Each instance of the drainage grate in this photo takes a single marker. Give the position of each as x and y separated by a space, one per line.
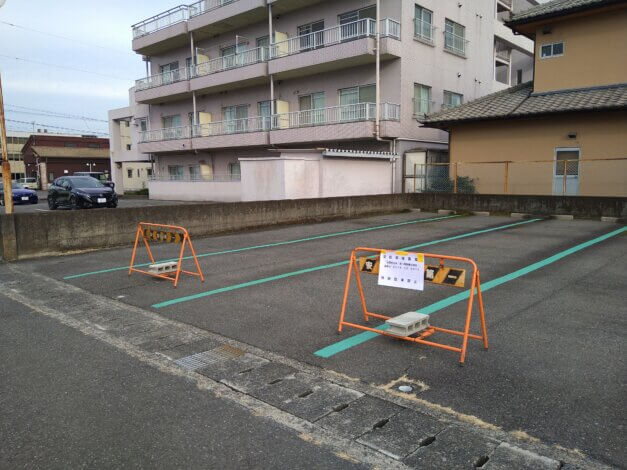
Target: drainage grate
199 360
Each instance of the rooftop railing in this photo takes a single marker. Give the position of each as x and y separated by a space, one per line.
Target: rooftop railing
164 78
335 35
220 64
424 31
455 43
204 6
162 20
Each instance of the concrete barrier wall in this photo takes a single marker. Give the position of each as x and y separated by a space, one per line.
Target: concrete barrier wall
51 233
579 206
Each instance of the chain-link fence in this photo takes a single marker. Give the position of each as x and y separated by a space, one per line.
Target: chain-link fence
562 176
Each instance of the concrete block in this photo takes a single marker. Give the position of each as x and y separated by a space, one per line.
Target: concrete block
481 213
402 434
519 215
247 381
408 323
306 396
8 237
563 217
163 268
609 219
509 457
360 416
452 449
445 212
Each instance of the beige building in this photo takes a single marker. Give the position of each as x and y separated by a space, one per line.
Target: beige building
15 143
563 133
231 81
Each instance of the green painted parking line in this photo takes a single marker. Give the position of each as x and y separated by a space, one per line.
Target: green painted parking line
360 338
269 245
200 295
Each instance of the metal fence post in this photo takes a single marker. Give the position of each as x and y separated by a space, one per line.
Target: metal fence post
506 189
564 192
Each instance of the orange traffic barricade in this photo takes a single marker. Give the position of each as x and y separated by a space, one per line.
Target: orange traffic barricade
171 269
438 274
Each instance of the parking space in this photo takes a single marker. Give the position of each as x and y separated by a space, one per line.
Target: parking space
554 297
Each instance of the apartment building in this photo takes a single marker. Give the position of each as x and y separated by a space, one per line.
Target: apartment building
565 132
231 81
15 142
130 169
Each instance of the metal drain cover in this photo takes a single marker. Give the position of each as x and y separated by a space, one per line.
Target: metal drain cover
228 351
199 360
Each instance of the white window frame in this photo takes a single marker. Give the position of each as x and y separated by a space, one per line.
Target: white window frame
552 44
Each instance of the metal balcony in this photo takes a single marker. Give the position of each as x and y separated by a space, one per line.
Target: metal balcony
455 44
424 31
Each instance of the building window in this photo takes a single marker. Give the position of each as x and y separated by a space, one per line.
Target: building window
312 108
311 35
194 172
93 145
552 50
356 15
70 144
454 37
264 111
452 100
175 172
235 171
422 99
423 24
143 124
129 173
128 146
567 159
236 118
354 102
171 121
149 172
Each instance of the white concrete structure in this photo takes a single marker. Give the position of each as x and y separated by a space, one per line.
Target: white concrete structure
130 169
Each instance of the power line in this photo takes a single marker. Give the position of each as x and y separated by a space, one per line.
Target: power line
84 131
64 67
75 41
44 112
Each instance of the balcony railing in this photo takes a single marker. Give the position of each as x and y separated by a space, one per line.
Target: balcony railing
161 21
335 115
164 78
335 35
455 43
169 133
235 126
204 6
220 64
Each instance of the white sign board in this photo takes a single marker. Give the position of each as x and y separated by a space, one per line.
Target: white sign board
402 269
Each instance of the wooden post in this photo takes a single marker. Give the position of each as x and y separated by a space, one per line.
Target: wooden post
506 188
6 166
455 178
564 193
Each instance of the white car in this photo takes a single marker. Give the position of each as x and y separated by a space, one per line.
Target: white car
28 183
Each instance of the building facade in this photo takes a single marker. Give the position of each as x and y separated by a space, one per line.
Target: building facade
48 156
15 142
131 169
231 80
565 132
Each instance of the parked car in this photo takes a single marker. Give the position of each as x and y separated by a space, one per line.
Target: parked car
100 176
78 192
21 195
30 183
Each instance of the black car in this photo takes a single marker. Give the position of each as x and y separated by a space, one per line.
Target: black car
21 195
79 192
100 176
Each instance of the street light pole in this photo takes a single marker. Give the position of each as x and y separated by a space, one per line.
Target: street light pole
6 166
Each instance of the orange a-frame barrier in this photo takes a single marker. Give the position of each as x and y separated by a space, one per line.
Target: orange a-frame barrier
169 234
420 338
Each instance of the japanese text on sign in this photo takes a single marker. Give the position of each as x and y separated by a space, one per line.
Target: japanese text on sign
402 269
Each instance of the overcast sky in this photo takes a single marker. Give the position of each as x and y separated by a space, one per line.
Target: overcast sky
100 33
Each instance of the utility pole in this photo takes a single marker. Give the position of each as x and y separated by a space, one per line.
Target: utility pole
6 166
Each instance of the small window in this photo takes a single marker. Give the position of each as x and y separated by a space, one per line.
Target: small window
70 144
454 37
175 172
423 24
234 170
149 172
129 173
194 172
93 145
422 99
552 50
128 146
452 100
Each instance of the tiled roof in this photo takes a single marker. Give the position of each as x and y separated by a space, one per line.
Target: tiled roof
520 101
557 8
